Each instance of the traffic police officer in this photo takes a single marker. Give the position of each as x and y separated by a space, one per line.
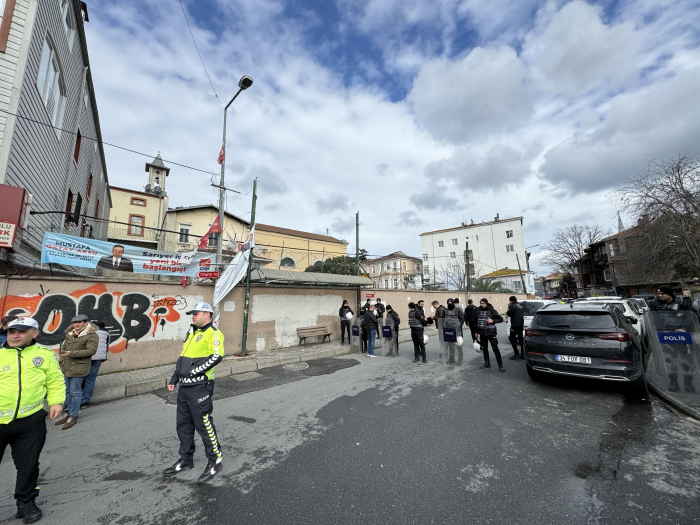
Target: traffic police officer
28 373
194 372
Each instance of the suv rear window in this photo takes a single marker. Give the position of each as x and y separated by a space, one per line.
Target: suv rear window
581 320
530 307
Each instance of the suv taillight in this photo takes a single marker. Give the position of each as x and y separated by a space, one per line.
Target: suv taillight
616 336
534 333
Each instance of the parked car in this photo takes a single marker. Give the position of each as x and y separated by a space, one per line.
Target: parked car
530 307
629 309
586 340
641 303
647 298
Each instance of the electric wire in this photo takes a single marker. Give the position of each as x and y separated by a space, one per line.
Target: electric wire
106 143
184 13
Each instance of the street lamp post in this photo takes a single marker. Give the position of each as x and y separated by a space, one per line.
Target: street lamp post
244 83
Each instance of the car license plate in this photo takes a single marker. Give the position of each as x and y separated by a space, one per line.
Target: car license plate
574 359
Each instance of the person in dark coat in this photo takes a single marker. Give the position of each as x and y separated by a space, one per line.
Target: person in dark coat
517 325
392 318
417 322
344 321
380 308
486 320
470 318
371 326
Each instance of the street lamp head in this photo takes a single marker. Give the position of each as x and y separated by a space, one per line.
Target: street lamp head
245 82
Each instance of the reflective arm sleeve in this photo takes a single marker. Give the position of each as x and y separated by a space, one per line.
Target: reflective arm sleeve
55 385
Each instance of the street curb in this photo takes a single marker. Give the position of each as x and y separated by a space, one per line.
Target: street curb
231 367
679 405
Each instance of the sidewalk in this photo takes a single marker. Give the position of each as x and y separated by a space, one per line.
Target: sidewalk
124 384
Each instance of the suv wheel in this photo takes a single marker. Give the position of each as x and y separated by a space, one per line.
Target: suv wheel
638 387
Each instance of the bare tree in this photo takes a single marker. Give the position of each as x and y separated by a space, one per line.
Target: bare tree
454 275
665 202
568 245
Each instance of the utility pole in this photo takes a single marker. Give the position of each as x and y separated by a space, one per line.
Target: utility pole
466 269
357 254
522 280
244 340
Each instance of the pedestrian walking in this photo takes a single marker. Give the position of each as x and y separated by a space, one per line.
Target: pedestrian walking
393 320
74 357
344 321
417 322
3 327
470 317
371 326
486 320
203 349
95 363
29 373
517 325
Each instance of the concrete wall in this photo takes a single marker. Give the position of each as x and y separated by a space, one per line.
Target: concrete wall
147 320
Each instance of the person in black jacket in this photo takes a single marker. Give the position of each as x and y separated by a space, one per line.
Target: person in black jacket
363 333
371 327
392 318
486 320
517 325
470 318
416 321
344 321
380 308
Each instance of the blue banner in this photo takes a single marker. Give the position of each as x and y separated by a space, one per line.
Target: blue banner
449 335
90 253
675 338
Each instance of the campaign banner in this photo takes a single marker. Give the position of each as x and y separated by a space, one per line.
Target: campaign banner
90 253
675 338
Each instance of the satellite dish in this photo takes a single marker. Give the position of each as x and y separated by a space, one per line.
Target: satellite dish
148 187
157 190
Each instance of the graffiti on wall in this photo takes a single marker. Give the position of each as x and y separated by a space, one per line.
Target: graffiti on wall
128 316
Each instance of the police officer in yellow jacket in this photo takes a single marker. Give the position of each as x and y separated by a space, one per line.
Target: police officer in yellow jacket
28 372
194 372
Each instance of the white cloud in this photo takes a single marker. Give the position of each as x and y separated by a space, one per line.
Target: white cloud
481 94
576 52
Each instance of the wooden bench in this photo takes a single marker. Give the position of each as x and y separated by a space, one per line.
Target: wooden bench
313 331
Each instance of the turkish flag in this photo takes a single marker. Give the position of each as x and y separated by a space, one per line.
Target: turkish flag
215 228
222 156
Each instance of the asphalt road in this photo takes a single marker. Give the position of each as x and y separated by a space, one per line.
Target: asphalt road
360 440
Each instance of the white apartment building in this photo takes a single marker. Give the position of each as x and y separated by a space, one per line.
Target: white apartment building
492 246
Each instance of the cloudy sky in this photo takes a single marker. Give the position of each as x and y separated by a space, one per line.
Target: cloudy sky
417 113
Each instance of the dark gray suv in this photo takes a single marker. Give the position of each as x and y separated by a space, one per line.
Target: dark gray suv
593 341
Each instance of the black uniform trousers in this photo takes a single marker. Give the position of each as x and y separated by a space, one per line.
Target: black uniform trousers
344 327
516 339
26 437
472 329
418 344
364 340
194 409
485 339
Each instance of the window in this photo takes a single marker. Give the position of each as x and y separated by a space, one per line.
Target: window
374 269
509 248
453 255
89 186
612 250
425 257
212 241
509 234
69 208
426 269
68 22
184 237
287 262
394 265
396 283
138 201
441 244
51 86
516 285
454 242
405 266
386 283
136 225
76 151
418 267
78 209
